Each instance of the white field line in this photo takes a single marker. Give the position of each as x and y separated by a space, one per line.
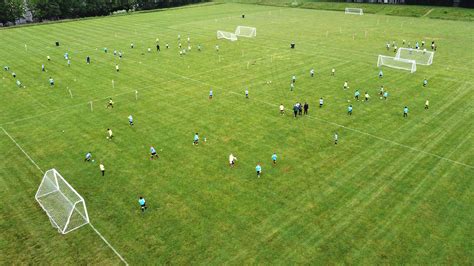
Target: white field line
371 135
35 164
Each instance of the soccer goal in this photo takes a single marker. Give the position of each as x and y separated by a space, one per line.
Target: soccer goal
65 208
353 11
244 31
421 57
226 35
398 63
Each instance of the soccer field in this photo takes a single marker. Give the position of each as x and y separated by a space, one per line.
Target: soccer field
393 190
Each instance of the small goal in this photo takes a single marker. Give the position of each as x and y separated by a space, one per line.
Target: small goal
65 208
421 57
226 35
353 11
244 31
398 63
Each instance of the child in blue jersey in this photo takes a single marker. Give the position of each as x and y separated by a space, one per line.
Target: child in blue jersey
258 168
88 157
274 158
130 120
425 82
142 203
405 111
385 95
196 139
349 110
357 94
153 153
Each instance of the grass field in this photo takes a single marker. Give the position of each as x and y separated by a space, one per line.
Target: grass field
394 190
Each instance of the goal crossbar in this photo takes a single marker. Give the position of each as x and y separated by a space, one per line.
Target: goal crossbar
353 11
226 35
398 63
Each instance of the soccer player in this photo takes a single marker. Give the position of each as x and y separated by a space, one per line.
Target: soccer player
102 168
14 74
356 95
167 46
422 43
157 47
105 50
189 39
395 49
432 45
6 68
43 68
117 68
68 63
381 92
110 103
149 49
217 48
346 85
380 73
349 110
292 86
179 45
142 203
427 105
153 153
311 72
88 157
385 95
293 79
405 111
51 81
258 169
179 37
210 94
417 46
246 93
199 47
403 42
388 46
48 57
306 107
367 97
336 137
321 102
333 72
425 82
132 45
196 139
130 120
274 158
282 109
120 55
295 109
115 52
232 160
18 83
109 132
300 109
88 60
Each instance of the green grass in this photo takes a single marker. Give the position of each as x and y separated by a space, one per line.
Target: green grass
393 190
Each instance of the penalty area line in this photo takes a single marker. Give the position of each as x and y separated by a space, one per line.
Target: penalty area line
39 168
374 136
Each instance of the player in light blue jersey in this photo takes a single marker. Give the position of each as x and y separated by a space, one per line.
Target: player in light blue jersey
210 94
88 157
196 139
153 153
130 120
142 203
258 168
356 94
405 111
349 110
274 158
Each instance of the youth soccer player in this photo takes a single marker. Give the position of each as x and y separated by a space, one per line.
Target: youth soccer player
48 57
282 109
217 48
132 45
381 92
274 158
247 93
142 203
405 111
336 137
88 157
102 168
311 72
18 83
346 85
153 153
68 63
385 95
43 68
115 52
367 97
349 110
388 46
292 86
51 81
356 95
105 50
88 60
167 46
427 105
232 160
333 72
13 74
110 103
130 120
305 108
380 73
210 94
258 169
157 47
295 109
321 102
425 82
110 133
117 68
196 139
6 68
199 47
293 79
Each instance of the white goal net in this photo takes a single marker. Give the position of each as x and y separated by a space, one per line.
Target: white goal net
398 63
65 208
244 31
421 57
226 35
353 11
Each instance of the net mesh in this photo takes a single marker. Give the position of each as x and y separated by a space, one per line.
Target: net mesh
398 63
421 57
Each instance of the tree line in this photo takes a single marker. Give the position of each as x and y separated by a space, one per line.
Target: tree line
40 10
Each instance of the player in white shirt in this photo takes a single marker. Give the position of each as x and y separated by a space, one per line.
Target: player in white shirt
282 109
321 102
346 85
333 72
117 67
311 72
232 160
109 132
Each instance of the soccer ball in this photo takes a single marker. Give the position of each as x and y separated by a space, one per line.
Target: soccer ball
107 137
93 160
348 101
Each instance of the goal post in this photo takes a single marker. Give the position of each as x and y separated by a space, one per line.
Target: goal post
226 35
244 31
398 63
353 11
65 208
421 57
